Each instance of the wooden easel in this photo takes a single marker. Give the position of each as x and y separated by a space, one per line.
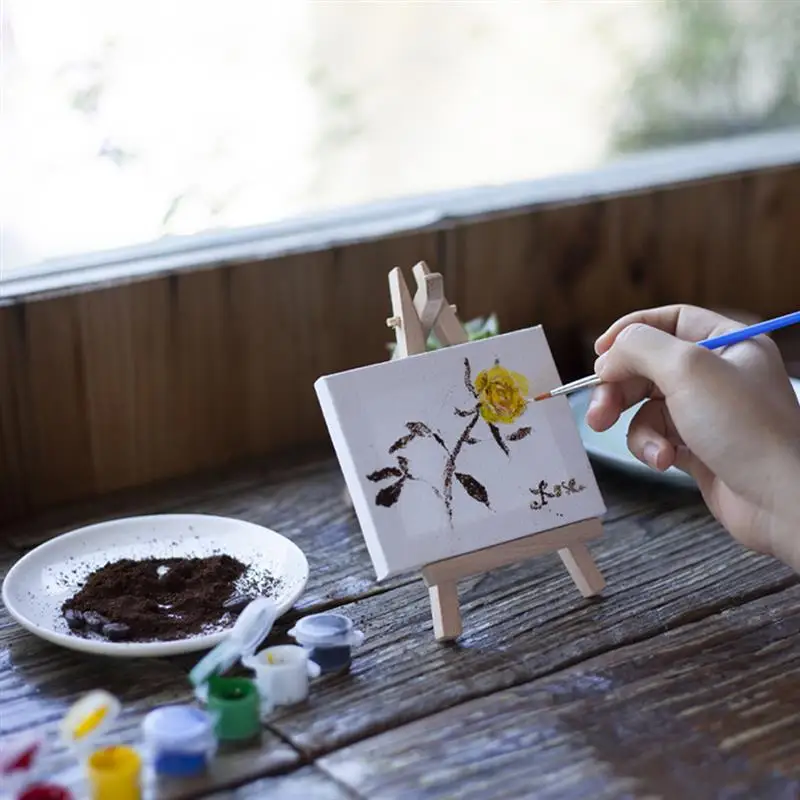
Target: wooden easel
413 321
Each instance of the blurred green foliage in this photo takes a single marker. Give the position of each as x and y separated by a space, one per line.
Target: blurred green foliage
723 67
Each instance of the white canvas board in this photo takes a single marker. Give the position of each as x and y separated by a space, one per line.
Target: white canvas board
417 441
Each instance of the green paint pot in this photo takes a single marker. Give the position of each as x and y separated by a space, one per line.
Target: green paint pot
236 708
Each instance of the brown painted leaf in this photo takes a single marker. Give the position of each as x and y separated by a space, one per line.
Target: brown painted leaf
461 413
403 462
468 378
520 434
419 429
439 440
389 495
474 488
498 437
383 474
401 443
471 440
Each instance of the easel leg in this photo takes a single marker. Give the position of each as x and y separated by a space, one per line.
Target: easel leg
580 565
445 611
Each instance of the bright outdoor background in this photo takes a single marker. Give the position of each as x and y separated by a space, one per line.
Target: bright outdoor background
124 122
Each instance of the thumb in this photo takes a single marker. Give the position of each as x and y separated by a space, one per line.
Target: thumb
643 351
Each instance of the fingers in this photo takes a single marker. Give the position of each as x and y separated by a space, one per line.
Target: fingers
610 400
672 365
689 323
651 434
654 440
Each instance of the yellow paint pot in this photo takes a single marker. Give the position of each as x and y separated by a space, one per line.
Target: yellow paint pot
115 774
89 720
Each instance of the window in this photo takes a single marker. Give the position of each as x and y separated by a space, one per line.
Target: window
125 122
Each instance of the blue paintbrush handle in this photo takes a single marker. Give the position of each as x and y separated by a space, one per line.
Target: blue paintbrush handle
752 331
725 340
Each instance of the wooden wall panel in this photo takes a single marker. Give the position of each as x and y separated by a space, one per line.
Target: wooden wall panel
699 246
110 390
53 378
14 471
498 269
142 381
771 228
281 315
156 406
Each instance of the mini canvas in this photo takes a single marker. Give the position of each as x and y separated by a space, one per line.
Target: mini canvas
443 453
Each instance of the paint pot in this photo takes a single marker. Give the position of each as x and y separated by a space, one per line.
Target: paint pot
329 639
236 707
282 675
114 773
89 719
45 791
179 740
234 702
19 763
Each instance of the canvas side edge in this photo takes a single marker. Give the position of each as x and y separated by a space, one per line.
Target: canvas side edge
346 464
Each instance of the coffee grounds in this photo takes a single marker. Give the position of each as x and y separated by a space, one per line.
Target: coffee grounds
159 599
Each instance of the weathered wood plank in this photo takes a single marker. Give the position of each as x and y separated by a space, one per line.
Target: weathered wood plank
666 563
307 783
232 768
304 503
39 682
708 710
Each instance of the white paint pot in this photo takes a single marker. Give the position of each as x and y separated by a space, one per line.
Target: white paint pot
282 675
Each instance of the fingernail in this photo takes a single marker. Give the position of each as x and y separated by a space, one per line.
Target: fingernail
599 363
650 452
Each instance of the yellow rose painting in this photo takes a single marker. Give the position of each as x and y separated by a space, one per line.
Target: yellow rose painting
499 397
502 394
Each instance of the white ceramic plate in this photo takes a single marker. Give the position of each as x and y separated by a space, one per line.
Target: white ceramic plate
42 580
611 447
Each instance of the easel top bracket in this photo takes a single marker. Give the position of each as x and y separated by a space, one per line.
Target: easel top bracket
414 319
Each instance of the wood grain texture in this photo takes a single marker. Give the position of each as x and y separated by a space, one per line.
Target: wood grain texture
666 563
14 468
773 238
39 682
681 677
133 383
307 783
304 503
708 710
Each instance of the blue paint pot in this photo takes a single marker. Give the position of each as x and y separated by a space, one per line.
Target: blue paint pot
179 740
179 765
329 638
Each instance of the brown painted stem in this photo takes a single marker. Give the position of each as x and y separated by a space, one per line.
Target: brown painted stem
450 466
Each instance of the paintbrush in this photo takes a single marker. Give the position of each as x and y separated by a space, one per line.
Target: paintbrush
726 340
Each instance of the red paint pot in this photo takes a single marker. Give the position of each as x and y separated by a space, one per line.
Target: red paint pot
45 791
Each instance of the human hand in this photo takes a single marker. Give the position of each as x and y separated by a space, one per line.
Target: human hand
729 418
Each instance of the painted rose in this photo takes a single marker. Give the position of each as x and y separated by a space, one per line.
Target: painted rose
502 394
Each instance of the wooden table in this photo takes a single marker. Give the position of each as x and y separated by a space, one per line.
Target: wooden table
682 681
